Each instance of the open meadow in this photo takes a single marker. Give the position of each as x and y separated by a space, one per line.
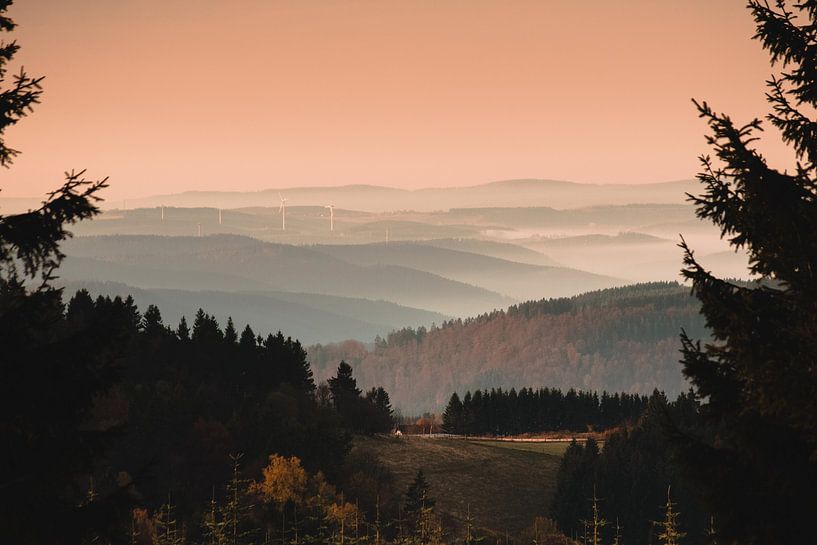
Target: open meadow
506 484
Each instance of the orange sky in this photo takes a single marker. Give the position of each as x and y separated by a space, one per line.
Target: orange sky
171 95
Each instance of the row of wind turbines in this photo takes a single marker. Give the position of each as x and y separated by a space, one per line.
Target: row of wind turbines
283 211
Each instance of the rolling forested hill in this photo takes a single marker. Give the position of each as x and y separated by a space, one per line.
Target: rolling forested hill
522 281
500 250
232 263
620 339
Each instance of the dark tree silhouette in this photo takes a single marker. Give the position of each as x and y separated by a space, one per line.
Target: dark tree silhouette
367 414
345 393
152 321
501 412
418 496
631 474
52 372
378 413
247 340
452 417
183 331
758 379
230 334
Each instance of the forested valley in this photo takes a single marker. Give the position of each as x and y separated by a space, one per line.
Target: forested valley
633 415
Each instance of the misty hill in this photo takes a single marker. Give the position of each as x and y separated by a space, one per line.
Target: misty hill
257 222
499 250
608 217
311 318
518 280
510 193
311 224
179 222
304 224
232 263
403 229
621 339
640 256
621 239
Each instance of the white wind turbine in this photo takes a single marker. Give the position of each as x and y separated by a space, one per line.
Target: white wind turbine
331 208
283 212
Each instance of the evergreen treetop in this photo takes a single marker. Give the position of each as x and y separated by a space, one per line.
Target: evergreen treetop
52 376
757 380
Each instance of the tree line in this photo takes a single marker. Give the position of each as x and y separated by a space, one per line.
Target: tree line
627 479
167 406
499 412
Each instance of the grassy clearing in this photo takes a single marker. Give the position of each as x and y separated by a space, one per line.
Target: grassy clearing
506 484
554 448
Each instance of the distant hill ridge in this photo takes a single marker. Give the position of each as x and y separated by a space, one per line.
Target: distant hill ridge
514 279
231 263
373 198
521 182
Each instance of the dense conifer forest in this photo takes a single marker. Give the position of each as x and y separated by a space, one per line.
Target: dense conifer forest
499 412
179 402
628 475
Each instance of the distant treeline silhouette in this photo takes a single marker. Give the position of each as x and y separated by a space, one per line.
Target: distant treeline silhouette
508 412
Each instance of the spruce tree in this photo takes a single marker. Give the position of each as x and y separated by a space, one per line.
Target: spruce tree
80 307
598 522
345 393
670 532
247 340
152 321
452 417
757 381
417 496
19 97
230 334
51 374
235 513
213 525
168 528
205 330
183 331
380 415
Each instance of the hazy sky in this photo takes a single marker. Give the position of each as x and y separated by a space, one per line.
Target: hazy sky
171 95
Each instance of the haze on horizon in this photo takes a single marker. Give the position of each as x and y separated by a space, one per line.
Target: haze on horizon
246 95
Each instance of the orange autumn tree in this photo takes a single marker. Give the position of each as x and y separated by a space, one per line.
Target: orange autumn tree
284 481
